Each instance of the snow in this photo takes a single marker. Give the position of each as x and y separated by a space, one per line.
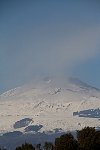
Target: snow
49 105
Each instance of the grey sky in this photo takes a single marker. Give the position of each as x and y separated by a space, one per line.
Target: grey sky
46 38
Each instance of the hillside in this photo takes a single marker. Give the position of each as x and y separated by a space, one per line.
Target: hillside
50 107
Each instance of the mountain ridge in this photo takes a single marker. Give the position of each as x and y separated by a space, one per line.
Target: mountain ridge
43 106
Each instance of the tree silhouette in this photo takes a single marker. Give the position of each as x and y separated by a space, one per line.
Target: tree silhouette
66 142
86 138
25 146
48 146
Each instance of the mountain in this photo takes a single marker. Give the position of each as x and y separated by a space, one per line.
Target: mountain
48 106
82 84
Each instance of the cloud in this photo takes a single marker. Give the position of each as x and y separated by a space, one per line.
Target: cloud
40 40
53 56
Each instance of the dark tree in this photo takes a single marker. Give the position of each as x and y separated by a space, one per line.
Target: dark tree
48 146
66 142
96 143
86 138
25 146
38 147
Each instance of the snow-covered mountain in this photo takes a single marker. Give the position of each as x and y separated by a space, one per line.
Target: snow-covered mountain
48 106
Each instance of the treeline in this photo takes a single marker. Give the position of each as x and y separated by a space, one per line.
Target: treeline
87 139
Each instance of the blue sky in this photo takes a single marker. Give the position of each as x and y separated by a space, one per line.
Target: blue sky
49 37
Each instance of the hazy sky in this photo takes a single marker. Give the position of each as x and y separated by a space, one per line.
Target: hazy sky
49 37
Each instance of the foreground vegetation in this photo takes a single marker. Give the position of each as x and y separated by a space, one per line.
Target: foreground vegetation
87 139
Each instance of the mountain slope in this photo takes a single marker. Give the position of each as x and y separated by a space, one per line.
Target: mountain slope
48 106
